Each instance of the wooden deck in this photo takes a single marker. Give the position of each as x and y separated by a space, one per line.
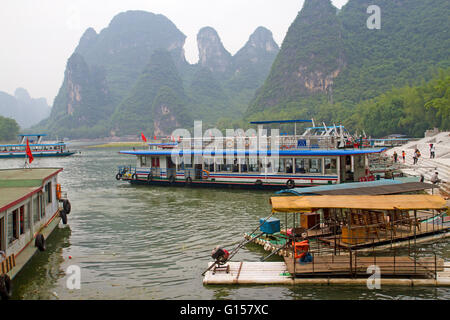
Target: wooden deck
342 265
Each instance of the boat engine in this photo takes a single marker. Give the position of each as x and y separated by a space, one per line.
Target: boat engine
220 255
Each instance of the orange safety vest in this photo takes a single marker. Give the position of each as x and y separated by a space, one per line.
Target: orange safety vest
301 249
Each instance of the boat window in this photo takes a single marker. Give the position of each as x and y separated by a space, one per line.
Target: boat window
289 166
330 165
28 216
36 209
253 165
12 226
244 164
41 204
48 192
300 165
281 166
208 165
22 220
143 161
315 165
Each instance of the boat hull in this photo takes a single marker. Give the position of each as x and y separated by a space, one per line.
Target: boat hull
211 184
37 155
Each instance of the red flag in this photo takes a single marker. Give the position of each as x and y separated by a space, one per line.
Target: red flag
143 137
29 154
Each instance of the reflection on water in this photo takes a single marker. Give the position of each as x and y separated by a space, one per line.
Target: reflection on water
154 242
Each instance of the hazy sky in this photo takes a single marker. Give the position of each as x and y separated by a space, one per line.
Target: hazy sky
38 36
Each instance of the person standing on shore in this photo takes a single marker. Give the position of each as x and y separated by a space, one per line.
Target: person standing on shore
432 151
395 156
404 156
416 156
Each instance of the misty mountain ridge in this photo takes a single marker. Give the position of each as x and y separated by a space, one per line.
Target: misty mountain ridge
21 107
107 90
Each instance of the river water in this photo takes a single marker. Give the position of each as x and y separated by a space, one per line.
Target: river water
154 242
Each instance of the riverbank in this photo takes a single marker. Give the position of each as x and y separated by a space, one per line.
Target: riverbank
118 144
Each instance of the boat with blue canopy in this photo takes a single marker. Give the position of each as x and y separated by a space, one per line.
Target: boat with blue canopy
253 159
38 148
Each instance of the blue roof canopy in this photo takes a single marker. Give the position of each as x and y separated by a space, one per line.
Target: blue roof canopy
351 185
315 152
33 145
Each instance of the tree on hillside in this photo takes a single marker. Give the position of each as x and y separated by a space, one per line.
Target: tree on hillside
8 129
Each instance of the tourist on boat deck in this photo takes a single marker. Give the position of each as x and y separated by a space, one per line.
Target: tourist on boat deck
435 179
432 151
404 156
395 156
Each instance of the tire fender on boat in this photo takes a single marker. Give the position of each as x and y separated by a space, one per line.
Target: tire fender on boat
39 242
118 176
150 176
134 176
5 287
63 216
290 184
188 180
67 206
258 182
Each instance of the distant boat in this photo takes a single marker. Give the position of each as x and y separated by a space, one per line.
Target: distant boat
39 149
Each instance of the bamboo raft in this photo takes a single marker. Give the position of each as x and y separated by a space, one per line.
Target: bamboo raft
277 273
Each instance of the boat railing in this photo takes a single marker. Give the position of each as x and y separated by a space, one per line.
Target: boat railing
283 142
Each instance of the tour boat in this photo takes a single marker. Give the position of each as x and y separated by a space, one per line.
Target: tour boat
321 155
31 206
39 149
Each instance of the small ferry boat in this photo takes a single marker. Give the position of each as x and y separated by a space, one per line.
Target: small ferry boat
321 155
39 149
31 205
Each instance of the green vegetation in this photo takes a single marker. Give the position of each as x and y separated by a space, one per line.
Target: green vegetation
9 129
409 110
332 67
136 112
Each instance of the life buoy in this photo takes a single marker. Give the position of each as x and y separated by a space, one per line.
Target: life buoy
205 174
63 216
290 183
67 206
230 144
39 242
5 287
188 180
150 176
118 176
58 191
